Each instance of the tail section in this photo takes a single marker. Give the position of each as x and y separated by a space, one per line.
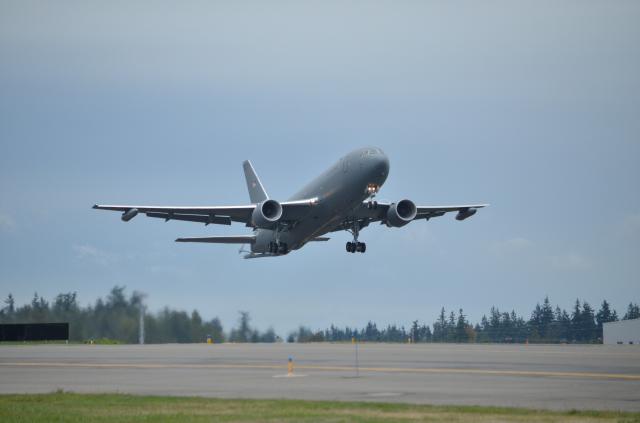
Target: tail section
257 194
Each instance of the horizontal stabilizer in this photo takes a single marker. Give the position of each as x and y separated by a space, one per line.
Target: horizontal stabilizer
237 239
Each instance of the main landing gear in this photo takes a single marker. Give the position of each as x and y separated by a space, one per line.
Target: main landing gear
278 248
360 247
354 246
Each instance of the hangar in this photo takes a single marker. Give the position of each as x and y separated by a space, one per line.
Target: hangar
622 332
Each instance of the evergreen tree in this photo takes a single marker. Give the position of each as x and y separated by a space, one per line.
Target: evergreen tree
576 322
10 306
495 332
483 330
415 332
633 312
451 328
440 327
461 328
428 336
588 324
243 332
604 315
546 319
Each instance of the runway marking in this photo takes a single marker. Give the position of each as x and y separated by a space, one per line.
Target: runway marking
289 375
424 370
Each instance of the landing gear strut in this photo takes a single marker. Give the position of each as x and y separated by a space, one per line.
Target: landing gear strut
277 246
354 246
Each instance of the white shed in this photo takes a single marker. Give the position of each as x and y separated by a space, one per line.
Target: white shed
622 332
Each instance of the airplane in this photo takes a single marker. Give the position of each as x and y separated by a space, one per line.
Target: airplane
341 198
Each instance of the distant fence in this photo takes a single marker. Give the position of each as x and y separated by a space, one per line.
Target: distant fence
34 332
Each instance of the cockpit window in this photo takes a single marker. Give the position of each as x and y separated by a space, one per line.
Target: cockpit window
371 152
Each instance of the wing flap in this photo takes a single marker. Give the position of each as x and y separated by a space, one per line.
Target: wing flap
234 213
233 239
445 209
215 219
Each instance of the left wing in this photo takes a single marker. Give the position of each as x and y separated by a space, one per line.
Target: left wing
465 211
367 213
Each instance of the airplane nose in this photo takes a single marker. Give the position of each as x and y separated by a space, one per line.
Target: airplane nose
381 165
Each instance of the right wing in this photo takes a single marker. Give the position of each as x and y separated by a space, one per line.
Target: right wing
222 215
292 211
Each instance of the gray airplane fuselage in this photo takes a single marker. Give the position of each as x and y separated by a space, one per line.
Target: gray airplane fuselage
339 190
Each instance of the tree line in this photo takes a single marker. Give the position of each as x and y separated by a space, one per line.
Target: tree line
546 325
117 317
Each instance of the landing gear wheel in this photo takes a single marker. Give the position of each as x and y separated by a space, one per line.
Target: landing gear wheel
361 247
282 249
352 247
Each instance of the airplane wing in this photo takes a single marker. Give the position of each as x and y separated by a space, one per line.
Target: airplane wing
365 214
292 211
427 212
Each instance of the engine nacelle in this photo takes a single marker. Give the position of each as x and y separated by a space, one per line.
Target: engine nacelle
465 213
129 214
401 213
266 214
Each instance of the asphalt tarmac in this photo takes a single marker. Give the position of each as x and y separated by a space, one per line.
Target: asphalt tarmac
534 376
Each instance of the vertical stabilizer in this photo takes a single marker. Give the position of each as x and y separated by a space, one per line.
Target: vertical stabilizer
257 193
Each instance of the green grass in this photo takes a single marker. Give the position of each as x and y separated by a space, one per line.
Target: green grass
70 407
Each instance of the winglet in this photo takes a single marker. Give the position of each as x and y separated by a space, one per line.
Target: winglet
257 192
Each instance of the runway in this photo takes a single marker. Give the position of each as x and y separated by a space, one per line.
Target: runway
535 376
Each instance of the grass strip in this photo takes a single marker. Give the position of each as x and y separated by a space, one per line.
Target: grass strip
71 407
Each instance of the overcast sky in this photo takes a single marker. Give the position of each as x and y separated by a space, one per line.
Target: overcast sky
533 107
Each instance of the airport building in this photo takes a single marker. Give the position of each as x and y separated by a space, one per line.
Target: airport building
622 332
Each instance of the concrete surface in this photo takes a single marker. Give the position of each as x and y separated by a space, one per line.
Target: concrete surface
544 376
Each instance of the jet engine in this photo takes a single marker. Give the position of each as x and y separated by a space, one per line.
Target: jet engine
465 213
401 213
266 214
